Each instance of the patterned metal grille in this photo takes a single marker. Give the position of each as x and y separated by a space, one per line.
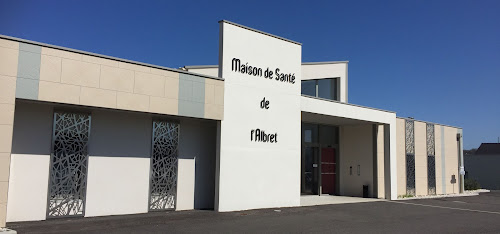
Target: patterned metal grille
410 156
431 174
431 159
430 140
163 187
410 136
68 171
410 174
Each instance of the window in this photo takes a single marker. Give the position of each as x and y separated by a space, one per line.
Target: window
322 88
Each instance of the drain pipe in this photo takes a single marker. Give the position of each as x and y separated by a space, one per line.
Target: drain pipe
461 169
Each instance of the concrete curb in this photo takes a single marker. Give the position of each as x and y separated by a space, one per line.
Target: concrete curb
467 193
7 231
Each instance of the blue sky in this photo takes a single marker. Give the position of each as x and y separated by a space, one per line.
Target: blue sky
432 60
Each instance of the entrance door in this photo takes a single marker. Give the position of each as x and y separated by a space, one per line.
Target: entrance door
310 171
328 170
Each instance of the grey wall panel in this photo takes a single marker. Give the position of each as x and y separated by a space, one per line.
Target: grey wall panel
28 71
191 96
443 161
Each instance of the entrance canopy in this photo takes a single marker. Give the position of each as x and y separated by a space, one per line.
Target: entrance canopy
333 112
364 157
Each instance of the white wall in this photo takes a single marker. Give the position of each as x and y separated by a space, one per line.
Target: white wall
197 164
328 70
119 163
29 168
259 174
356 148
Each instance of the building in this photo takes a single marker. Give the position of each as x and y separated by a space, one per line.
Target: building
84 134
481 165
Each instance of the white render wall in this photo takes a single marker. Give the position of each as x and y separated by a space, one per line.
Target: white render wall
312 71
254 174
119 162
29 168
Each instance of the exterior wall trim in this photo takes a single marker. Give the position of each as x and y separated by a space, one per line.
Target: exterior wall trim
349 104
105 56
258 31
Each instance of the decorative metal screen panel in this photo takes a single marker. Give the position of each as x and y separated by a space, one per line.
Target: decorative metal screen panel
431 174
431 159
68 169
410 136
165 147
410 156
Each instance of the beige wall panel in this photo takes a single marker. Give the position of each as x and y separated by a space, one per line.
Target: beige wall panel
101 61
420 158
9 44
172 87
439 174
7 89
164 105
209 93
4 185
8 61
401 156
380 162
117 79
185 184
451 157
3 214
6 138
134 67
80 73
4 162
50 68
57 92
98 97
353 155
166 73
219 95
149 84
134 102
214 111
6 114
61 53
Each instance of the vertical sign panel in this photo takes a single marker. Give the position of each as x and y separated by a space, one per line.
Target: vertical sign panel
259 160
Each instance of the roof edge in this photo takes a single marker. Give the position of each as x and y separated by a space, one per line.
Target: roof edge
423 121
258 31
105 56
325 62
304 63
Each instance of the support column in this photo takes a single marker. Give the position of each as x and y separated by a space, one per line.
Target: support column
9 52
390 166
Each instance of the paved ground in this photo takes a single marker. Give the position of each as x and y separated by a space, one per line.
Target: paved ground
477 214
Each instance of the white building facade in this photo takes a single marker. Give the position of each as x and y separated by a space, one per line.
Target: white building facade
91 135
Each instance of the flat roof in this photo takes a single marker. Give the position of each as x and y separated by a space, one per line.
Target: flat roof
106 57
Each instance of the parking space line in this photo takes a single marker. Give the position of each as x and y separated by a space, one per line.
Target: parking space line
445 207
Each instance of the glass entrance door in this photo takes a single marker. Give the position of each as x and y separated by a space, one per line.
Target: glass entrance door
310 170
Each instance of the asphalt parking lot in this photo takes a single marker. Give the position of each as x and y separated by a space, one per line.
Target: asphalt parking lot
476 214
